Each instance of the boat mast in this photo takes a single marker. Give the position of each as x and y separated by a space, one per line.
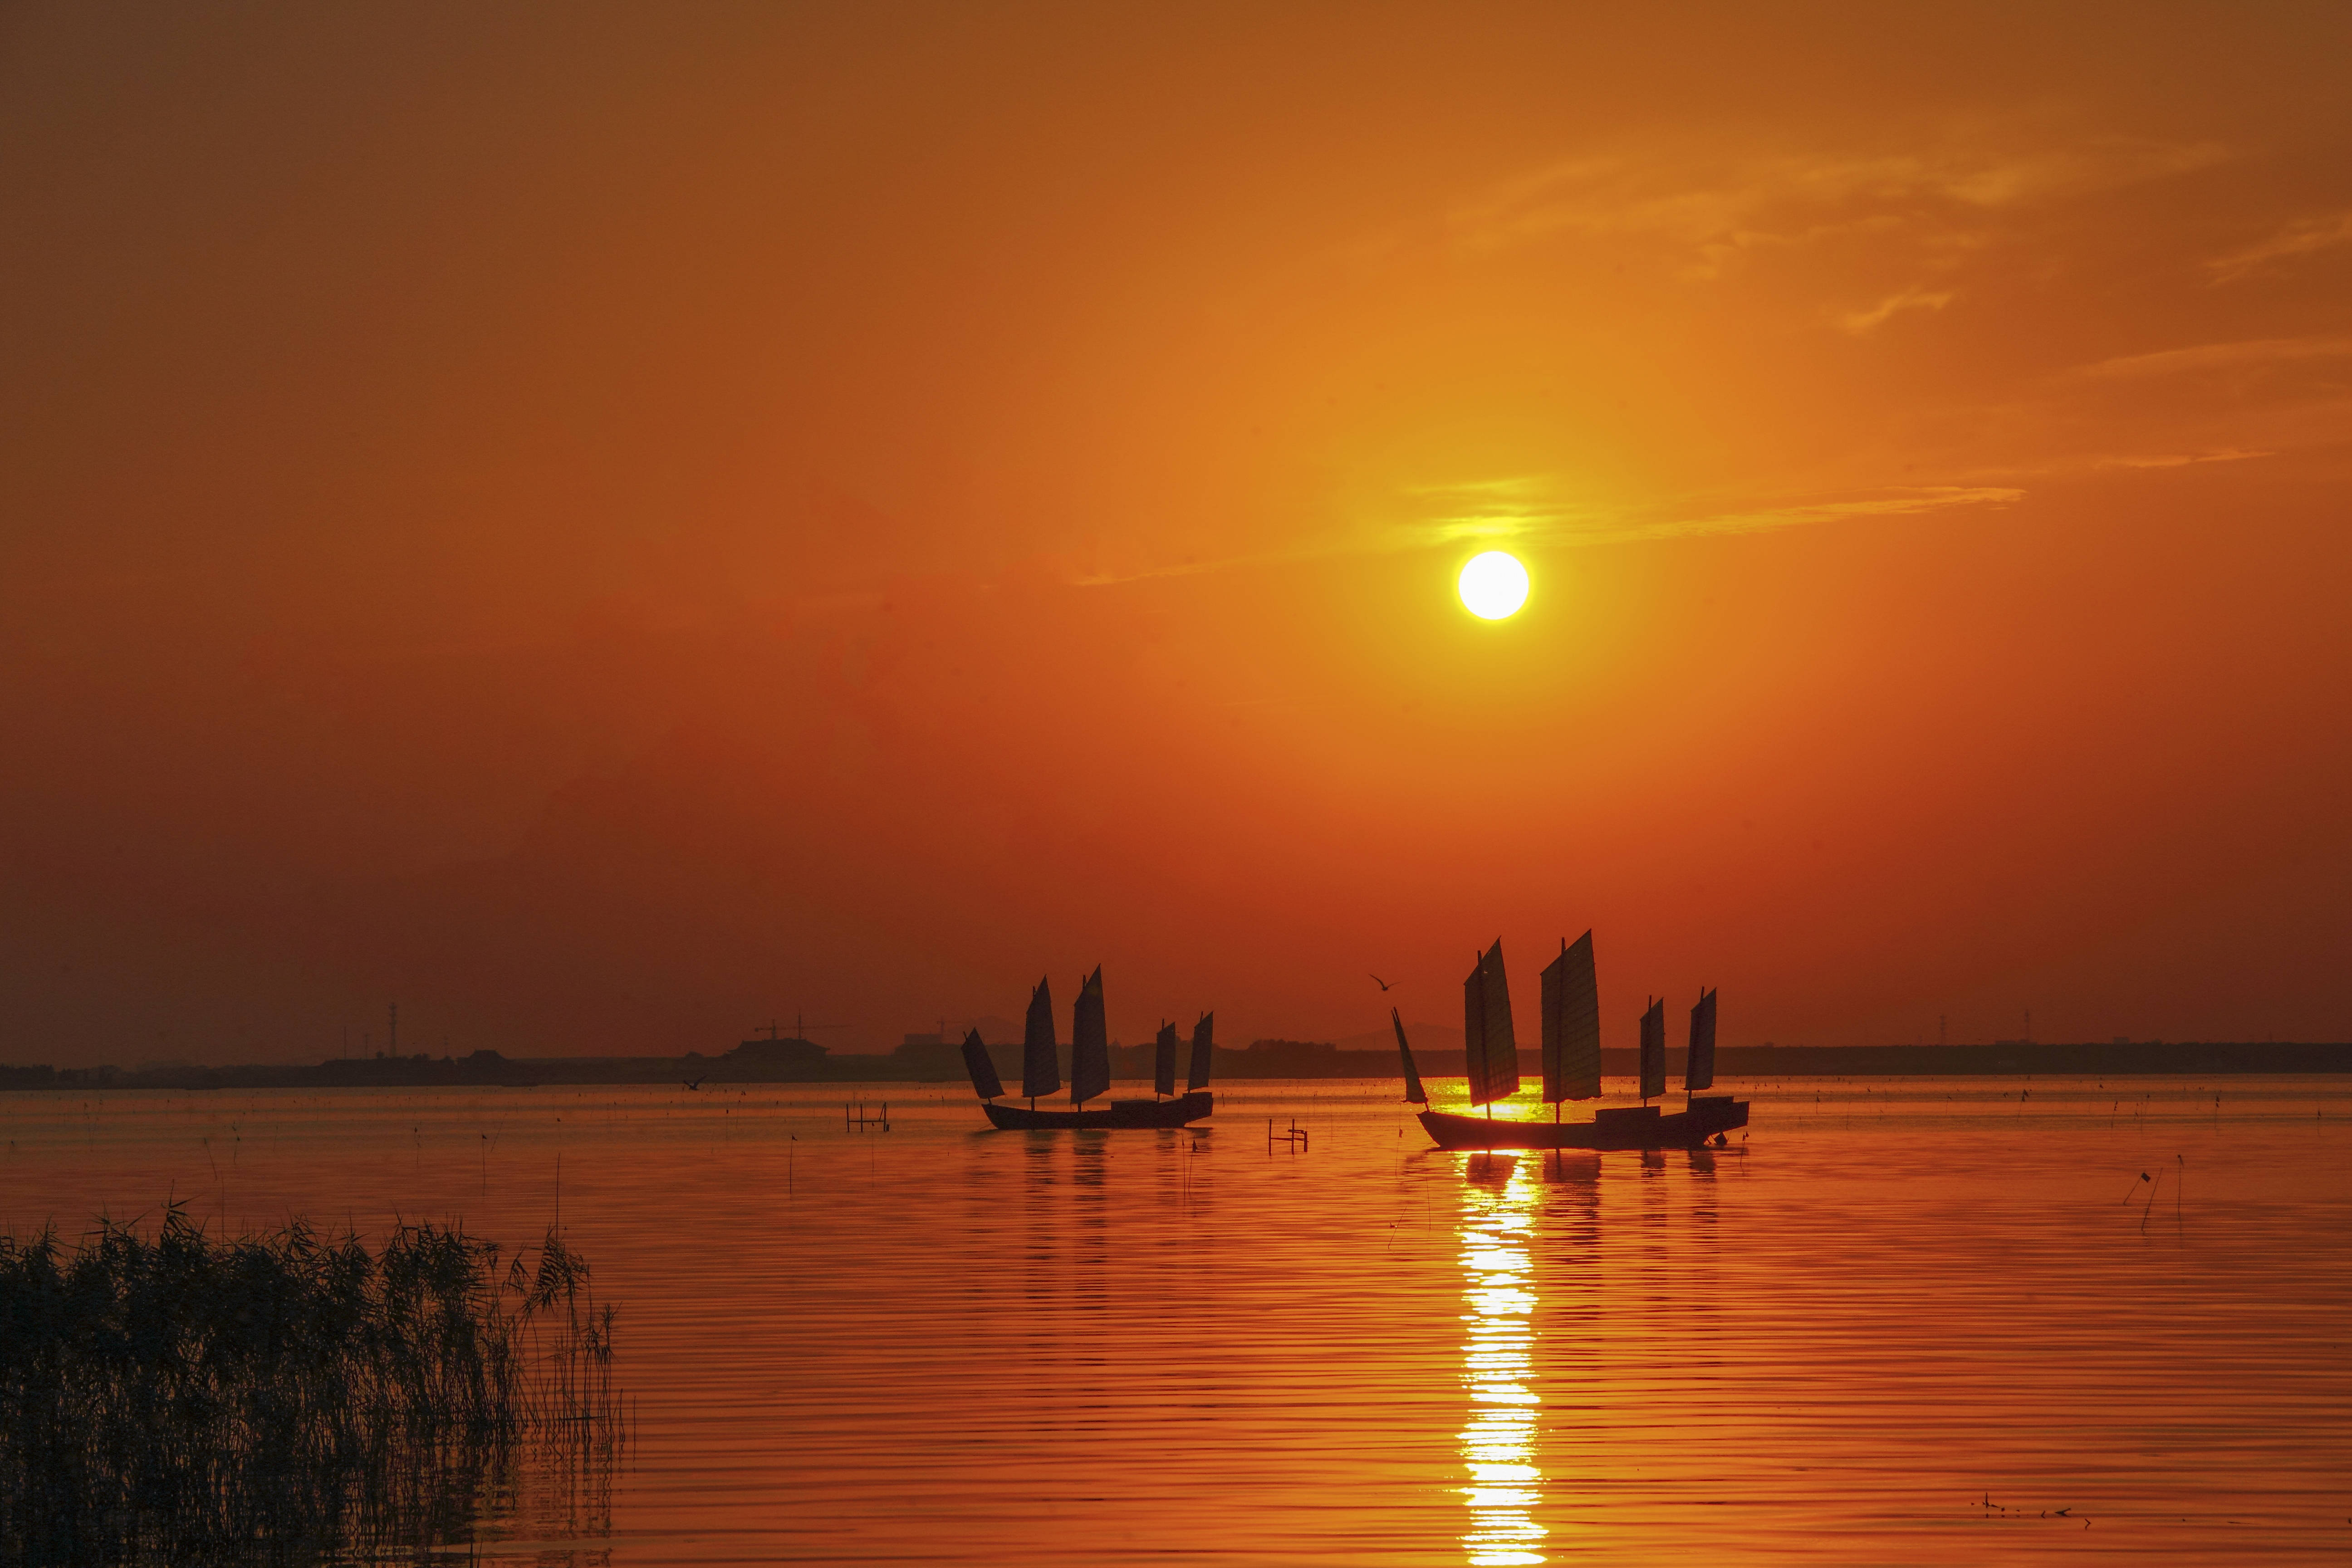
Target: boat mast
1580 1023
1698 1066
1040 1066
1491 1056
976 1061
1414 1093
1164 1061
1090 1043
1571 1025
1653 1049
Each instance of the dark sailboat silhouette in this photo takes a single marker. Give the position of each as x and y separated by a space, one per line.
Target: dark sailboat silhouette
1490 1053
1089 1070
981 1066
1572 1067
1653 1049
1041 1061
1571 1027
1164 1061
1698 1067
1414 1093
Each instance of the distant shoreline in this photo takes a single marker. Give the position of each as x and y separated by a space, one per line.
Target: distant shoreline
1268 1059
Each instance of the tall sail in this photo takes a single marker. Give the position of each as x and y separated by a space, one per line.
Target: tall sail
1491 1053
1090 1043
1204 1043
977 1062
1571 1025
1412 1089
1698 1072
1163 1061
1041 1059
1653 1049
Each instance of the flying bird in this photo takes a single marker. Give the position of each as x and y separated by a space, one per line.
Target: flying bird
696 1084
1378 980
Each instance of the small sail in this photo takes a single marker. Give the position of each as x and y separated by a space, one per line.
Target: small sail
1204 1045
1653 1049
1041 1059
982 1067
1412 1089
1163 1061
1090 1043
1698 1072
1491 1053
1571 1025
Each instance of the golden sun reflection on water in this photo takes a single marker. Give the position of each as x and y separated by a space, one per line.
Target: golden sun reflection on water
1499 1443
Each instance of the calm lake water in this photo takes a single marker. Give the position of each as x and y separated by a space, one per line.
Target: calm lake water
1904 1321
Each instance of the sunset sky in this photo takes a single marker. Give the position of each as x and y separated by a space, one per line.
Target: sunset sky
607 525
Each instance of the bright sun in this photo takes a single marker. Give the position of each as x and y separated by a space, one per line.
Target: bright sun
1493 584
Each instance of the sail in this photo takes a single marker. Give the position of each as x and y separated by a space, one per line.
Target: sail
1412 1089
1090 1043
1653 1049
1571 1025
1490 1052
1698 1072
977 1062
1163 1061
1041 1061
1204 1044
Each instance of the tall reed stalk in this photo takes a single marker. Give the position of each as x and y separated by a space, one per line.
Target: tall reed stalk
181 1399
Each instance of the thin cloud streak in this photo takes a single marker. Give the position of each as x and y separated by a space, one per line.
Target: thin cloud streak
1559 529
1914 299
2216 356
1719 206
1930 498
2304 236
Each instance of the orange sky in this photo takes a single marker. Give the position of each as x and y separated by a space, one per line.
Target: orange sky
608 528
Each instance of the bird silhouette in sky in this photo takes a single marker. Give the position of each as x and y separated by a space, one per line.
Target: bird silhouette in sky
696 1084
1378 980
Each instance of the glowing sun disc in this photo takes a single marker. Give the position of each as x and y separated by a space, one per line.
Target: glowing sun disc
1493 586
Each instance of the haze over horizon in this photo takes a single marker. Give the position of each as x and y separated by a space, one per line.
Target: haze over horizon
610 534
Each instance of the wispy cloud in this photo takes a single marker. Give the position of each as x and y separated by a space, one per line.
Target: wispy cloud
1530 518
1714 207
1520 520
1498 510
2303 236
1911 298
1798 514
2217 356
2177 459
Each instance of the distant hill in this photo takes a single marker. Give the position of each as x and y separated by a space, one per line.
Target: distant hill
1424 1037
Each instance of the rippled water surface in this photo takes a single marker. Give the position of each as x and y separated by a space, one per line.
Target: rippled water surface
1903 1321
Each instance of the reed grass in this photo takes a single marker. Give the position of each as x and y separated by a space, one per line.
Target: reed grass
174 1397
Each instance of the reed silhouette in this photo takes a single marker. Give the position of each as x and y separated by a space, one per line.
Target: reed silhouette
183 1399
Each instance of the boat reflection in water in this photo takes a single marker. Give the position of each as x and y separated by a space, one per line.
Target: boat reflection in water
1499 1443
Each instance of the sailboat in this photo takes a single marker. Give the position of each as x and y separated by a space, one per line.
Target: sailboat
1572 1067
1090 1069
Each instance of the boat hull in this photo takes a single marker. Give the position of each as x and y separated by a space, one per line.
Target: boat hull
1629 1127
1118 1113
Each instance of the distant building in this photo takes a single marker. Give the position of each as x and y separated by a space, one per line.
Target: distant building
777 1055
